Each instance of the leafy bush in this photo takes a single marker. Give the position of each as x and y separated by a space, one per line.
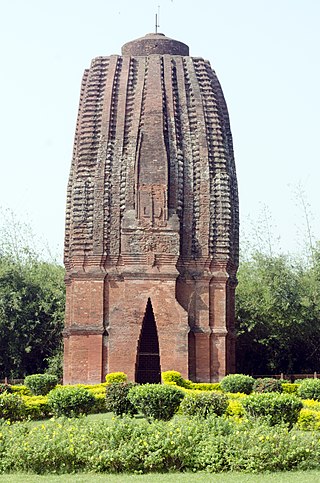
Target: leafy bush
20 389
311 404
11 407
309 420
127 446
276 408
41 384
36 407
237 383
155 400
99 405
206 386
235 409
175 378
117 399
204 404
70 401
169 377
5 388
289 388
116 377
267 384
309 389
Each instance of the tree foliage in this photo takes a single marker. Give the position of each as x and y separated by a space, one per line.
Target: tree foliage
31 314
32 300
278 314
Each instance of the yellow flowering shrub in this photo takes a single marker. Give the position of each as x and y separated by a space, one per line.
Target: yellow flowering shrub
309 420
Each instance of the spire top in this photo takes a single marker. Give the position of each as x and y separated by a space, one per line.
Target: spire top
154 43
157 20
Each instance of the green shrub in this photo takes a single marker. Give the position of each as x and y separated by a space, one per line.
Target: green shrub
174 378
309 420
155 400
311 404
204 404
41 384
116 377
5 388
21 390
117 400
70 401
276 408
205 386
99 405
267 384
12 407
234 409
130 446
309 389
36 407
290 388
169 377
237 383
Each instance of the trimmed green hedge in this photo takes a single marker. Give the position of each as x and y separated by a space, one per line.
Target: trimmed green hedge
309 389
70 401
12 407
41 384
116 377
290 388
267 384
174 378
237 383
155 400
276 408
117 398
204 404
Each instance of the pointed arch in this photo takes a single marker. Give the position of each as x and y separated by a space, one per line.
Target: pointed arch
148 367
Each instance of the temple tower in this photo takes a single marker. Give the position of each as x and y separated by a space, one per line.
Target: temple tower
151 241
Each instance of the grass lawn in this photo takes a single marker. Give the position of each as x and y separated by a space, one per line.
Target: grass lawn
285 477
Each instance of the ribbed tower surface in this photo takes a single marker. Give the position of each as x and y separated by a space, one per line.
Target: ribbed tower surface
152 215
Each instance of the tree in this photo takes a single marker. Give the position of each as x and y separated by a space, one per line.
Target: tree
31 315
278 314
32 303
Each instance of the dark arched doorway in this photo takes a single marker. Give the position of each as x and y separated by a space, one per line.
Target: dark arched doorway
148 357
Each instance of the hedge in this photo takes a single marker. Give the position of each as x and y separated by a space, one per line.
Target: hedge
130 446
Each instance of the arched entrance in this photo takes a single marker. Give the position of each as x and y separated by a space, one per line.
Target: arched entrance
148 358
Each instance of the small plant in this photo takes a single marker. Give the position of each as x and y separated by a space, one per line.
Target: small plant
70 401
237 383
155 400
275 408
36 407
117 399
12 407
116 377
204 404
175 378
309 420
5 388
290 388
41 384
267 384
309 389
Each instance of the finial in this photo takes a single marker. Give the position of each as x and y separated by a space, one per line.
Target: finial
157 19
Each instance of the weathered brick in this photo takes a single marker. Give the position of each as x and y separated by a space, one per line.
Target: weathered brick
152 214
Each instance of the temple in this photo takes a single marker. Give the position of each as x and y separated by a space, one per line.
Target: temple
151 240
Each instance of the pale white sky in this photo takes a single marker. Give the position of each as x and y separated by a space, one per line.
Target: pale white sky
266 55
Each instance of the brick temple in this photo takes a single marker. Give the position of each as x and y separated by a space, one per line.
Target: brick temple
151 242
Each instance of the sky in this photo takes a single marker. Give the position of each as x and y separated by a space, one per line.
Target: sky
266 56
